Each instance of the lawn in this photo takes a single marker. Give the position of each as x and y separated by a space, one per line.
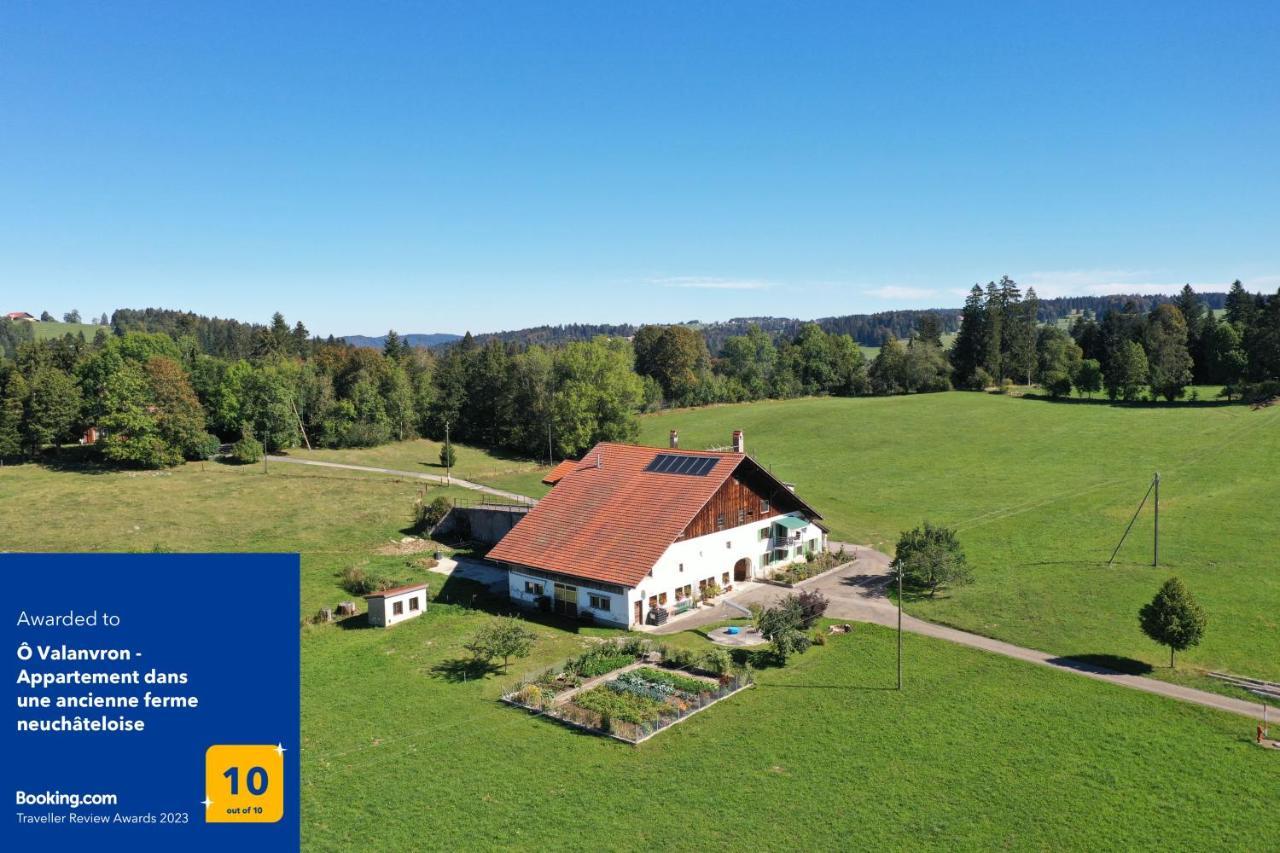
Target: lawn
422 456
978 751
334 518
45 331
1041 493
401 749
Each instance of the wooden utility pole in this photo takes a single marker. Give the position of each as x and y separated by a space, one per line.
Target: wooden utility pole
1155 551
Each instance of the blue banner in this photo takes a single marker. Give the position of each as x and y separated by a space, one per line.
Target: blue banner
155 701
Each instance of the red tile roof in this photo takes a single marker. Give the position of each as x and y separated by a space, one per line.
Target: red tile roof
612 521
557 473
396 590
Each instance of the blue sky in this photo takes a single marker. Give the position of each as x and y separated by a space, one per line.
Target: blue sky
442 167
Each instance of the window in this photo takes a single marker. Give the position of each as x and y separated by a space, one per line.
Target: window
764 533
533 588
653 600
702 585
767 558
728 545
720 521
764 504
682 567
813 545
397 608
662 598
724 579
742 515
413 603
599 602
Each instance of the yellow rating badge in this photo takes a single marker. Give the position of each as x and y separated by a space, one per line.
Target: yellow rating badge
243 784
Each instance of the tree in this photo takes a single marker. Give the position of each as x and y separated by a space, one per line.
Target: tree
72 316
52 407
1173 618
1168 360
1241 306
968 353
13 396
1059 357
448 455
812 605
104 320
1127 373
46 317
247 449
929 329
1088 379
504 638
1224 358
1022 335
392 347
676 356
930 557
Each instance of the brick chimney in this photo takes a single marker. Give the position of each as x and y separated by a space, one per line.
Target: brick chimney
675 440
739 445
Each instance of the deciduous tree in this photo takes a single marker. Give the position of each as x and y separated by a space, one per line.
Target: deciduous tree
1173 618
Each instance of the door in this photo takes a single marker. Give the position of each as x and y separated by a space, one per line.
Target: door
639 616
566 600
741 569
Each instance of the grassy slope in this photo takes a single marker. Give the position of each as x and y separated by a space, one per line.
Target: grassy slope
818 756
44 331
334 519
1041 492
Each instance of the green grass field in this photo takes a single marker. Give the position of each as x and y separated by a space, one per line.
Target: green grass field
1041 493
979 751
45 331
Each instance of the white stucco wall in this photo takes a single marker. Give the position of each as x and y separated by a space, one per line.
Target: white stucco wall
711 556
382 610
616 613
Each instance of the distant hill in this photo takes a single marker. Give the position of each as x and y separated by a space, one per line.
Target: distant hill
426 341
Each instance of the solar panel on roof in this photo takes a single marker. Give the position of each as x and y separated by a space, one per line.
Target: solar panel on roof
681 463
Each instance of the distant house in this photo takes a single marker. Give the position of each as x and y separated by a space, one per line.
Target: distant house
390 606
20 315
630 534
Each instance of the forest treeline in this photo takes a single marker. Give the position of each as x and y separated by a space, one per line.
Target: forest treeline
162 386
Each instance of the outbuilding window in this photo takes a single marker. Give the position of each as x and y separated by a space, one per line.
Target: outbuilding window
397 607
599 602
533 588
413 603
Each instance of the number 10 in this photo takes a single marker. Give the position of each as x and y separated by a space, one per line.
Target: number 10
255 780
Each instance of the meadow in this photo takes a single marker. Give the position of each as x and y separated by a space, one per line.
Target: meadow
1040 492
977 752
402 750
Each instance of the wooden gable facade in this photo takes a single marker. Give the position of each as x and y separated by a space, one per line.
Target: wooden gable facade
747 496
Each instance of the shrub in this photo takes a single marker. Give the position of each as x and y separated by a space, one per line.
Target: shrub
716 661
448 456
204 447
428 515
788 642
678 658
710 591
248 449
819 638
812 605
357 581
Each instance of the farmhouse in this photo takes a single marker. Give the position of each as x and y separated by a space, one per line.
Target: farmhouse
390 606
629 535
20 315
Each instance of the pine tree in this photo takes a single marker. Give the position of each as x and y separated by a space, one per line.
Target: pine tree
1173 618
1241 306
11 408
969 352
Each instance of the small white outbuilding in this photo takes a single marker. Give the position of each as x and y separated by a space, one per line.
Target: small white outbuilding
390 606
